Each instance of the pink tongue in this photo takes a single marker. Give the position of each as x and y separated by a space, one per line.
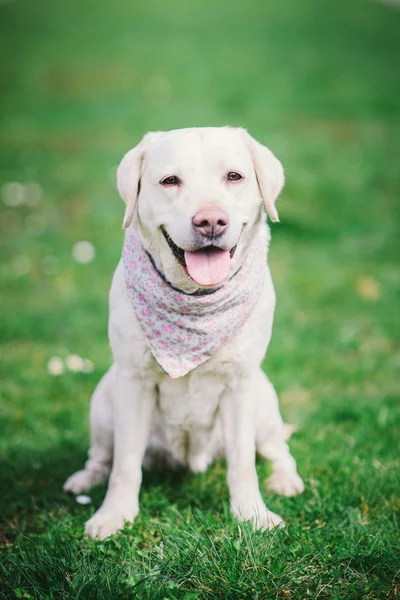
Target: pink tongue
209 266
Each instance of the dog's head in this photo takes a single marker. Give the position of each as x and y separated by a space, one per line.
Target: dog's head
196 195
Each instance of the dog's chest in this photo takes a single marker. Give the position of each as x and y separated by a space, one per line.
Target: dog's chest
190 402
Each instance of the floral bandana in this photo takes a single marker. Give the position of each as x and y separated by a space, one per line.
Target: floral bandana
184 330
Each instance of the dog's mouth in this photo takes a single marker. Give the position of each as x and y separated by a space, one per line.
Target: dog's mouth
209 265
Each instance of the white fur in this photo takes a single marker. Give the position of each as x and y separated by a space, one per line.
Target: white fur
226 406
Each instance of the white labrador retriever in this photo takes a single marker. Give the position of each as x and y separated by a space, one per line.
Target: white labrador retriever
191 310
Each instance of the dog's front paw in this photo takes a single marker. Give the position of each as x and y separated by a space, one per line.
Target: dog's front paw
267 521
199 463
285 483
106 522
83 481
79 482
259 515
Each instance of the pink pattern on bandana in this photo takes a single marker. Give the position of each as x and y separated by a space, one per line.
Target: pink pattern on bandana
184 330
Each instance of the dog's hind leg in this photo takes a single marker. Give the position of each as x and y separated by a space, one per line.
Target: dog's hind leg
271 442
98 466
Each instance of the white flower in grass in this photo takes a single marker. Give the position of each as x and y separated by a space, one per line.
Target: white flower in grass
161 550
87 366
74 363
83 252
83 499
33 193
13 193
55 366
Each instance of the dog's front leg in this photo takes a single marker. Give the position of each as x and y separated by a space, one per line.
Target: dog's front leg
134 406
238 418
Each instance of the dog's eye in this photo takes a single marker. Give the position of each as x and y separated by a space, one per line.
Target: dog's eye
171 180
234 176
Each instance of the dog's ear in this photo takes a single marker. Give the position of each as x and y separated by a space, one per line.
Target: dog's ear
129 173
128 179
269 173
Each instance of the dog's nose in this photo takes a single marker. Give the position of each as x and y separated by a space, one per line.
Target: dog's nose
211 222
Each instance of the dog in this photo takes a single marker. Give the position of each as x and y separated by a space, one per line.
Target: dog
191 311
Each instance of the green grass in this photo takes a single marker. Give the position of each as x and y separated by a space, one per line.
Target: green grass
318 83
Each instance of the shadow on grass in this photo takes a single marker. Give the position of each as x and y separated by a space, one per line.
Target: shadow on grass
32 489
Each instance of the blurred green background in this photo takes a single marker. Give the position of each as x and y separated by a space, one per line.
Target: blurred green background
316 81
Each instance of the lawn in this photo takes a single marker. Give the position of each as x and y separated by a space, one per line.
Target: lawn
318 83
